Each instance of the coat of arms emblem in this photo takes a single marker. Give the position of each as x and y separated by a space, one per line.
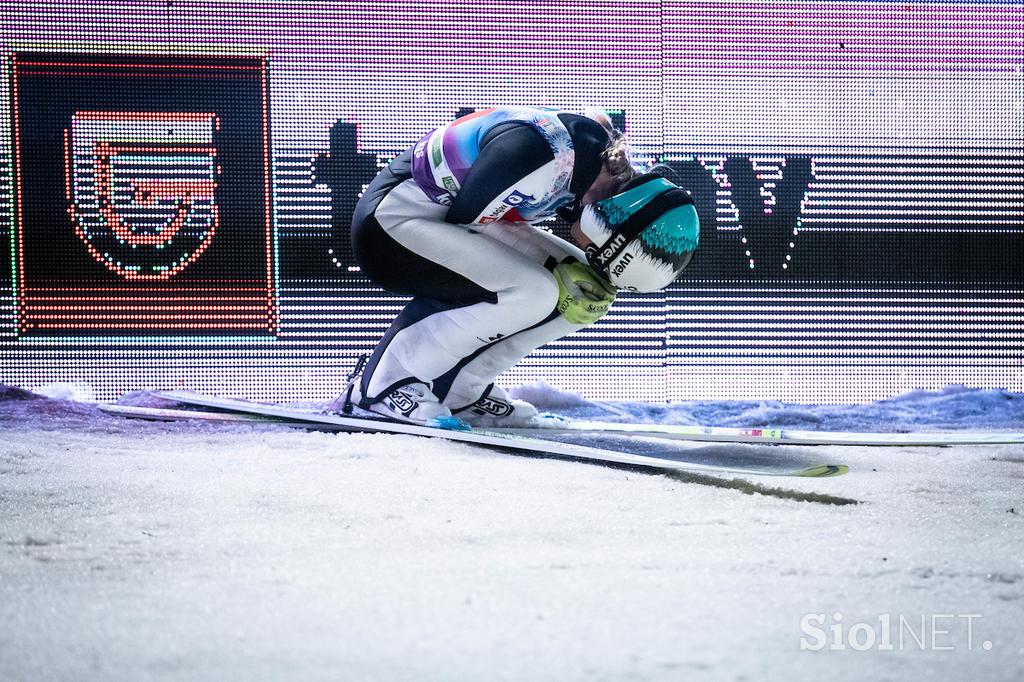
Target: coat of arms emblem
142 189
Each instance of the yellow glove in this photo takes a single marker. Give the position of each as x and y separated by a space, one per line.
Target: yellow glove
583 295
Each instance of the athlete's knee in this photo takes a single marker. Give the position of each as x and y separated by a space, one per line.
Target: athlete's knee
535 290
371 248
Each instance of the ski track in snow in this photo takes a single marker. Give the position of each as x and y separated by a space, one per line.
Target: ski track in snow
132 550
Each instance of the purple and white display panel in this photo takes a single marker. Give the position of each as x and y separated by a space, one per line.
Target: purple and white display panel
858 167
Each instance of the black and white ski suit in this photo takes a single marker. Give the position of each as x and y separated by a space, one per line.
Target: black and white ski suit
450 223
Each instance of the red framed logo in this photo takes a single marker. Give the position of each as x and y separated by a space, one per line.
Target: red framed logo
142 195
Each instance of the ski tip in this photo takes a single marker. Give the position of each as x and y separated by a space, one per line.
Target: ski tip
825 470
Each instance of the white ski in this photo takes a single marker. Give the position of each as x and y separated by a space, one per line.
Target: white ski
556 426
164 414
768 435
535 446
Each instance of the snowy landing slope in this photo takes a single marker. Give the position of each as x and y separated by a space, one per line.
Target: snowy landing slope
209 552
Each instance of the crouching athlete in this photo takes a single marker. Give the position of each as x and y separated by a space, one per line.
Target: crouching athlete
450 222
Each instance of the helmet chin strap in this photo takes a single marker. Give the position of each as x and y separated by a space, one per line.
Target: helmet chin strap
600 257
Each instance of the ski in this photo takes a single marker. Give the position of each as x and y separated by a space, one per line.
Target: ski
559 426
455 430
173 415
177 414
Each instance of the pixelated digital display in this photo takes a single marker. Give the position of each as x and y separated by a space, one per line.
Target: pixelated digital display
165 183
178 179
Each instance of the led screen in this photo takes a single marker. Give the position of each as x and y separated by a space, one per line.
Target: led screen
179 177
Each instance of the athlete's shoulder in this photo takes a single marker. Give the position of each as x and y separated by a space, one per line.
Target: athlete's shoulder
589 140
586 133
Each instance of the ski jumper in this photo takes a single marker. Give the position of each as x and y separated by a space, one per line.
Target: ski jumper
448 222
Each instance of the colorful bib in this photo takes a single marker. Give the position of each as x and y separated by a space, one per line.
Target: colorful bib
444 156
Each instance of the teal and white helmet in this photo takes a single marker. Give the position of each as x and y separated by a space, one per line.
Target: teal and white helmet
643 236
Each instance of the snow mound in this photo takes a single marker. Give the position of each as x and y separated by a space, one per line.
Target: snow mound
74 392
952 407
14 393
546 397
146 399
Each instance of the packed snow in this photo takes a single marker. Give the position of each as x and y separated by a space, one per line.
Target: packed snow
135 550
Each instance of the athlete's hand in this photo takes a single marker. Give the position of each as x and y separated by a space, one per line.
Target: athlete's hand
583 295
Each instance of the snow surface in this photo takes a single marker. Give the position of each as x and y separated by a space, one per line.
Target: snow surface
192 551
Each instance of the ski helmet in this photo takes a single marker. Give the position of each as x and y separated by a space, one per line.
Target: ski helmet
643 236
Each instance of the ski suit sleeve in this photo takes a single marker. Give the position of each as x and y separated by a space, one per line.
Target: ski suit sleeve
515 161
